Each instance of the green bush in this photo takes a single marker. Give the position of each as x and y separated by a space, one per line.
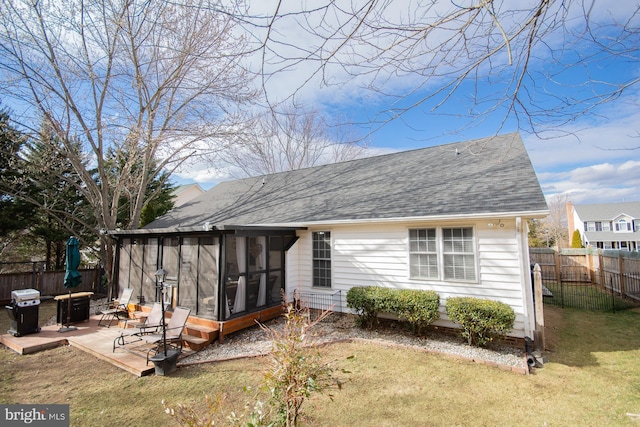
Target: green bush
419 308
367 301
481 320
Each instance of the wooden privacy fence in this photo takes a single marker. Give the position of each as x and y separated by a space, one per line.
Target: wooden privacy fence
611 271
49 283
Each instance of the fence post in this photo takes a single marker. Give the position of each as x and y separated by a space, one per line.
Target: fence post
592 275
34 276
557 261
621 274
538 334
602 269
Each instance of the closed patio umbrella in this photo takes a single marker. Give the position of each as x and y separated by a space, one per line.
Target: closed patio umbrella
72 277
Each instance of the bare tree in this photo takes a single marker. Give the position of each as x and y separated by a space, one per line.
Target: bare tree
545 61
292 139
154 82
554 227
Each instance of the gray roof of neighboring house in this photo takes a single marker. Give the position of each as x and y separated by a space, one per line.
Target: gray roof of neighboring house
484 176
182 188
607 211
611 236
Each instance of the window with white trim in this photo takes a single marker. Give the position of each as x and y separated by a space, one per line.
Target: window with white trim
459 254
423 251
322 259
446 254
623 225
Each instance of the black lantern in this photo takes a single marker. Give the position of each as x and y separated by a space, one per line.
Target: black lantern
160 276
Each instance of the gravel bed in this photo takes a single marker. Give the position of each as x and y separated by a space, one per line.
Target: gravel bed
254 341
335 328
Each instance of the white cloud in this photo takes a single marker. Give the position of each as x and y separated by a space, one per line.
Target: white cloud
203 173
598 183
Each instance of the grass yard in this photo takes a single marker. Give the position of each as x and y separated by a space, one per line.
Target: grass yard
592 378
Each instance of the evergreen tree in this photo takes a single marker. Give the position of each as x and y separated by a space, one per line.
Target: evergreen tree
62 210
159 204
15 213
576 240
158 191
534 235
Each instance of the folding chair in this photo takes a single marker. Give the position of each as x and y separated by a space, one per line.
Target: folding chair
151 325
117 308
173 332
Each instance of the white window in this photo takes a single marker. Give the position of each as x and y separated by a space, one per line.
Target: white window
423 251
591 226
447 254
623 225
322 259
606 226
459 254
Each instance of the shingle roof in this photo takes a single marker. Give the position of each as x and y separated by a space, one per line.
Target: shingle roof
607 211
490 175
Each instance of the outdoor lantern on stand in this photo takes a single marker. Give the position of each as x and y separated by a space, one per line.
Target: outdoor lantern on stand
160 276
165 361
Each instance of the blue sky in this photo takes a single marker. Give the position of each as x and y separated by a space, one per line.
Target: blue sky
589 158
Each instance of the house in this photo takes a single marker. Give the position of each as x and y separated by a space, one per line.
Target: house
451 218
183 193
606 225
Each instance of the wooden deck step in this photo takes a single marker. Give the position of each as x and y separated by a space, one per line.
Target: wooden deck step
194 343
199 330
198 337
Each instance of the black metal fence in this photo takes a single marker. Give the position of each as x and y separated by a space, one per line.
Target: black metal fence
605 291
318 302
592 279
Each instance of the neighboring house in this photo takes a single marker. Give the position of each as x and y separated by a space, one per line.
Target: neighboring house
451 218
606 225
183 193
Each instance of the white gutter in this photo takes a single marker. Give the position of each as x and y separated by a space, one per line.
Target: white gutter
433 218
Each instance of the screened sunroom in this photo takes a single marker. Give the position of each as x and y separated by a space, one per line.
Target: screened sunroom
218 274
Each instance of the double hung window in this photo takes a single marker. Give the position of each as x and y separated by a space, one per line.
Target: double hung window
423 253
459 254
322 259
442 254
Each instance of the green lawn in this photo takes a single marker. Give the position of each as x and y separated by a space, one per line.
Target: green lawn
592 378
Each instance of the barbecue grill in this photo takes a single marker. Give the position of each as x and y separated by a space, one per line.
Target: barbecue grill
23 312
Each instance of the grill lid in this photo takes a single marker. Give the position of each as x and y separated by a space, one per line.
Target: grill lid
23 295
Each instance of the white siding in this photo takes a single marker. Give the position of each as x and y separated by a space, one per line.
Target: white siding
364 255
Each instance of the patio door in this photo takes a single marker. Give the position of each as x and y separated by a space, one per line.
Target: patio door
188 276
208 277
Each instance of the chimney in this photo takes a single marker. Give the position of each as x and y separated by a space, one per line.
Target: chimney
570 224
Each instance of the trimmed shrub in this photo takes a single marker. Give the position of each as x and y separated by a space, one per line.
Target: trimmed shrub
419 308
482 320
367 302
